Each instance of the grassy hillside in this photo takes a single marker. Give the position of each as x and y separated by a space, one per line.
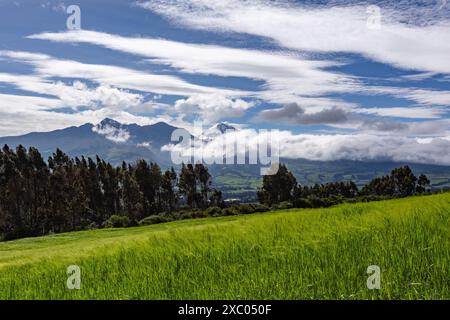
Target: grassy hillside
294 254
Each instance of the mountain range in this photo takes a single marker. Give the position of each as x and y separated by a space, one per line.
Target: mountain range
117 142
110 140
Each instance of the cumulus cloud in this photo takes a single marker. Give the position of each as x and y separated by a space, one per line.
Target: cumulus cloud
117 135
109 96
365 147
23 114
295 114
146 144
324 147
77 93
211 108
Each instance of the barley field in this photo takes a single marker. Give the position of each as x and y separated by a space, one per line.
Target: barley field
291 254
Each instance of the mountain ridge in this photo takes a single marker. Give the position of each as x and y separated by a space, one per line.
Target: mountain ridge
129 142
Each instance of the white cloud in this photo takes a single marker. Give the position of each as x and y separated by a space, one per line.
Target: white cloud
23 114
406 112
430 97
365 147
79 94
293 76
117 135
421 96
110 96
287 76
339 28
76 94
198 58
18 103
417 129
46 67
211 108
327 147
146 144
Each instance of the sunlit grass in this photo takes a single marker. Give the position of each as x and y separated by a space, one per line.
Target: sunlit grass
294 254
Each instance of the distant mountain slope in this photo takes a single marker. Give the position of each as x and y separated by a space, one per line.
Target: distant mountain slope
117 142
109 139
242 181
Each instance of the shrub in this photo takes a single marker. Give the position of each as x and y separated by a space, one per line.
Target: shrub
154 220
213 212
244 208
282 206
184 207
117 221
261 208
285 205
192 214
230 211
186 215
302 203
200 214
92 226
370 198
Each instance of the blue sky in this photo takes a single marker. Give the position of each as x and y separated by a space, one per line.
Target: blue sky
331 75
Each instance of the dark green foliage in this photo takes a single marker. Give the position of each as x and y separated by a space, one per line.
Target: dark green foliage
213 212
64 194
261 208
281 190
188 184
230 211
169 197
192 214
154 220
116 221
400 183
422 183
283 206
225 211
216 199
194 186
250 208
244 208
278 187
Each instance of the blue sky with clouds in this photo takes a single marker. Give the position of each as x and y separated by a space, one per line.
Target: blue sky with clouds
331 75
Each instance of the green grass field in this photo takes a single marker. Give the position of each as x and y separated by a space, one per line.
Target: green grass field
293 254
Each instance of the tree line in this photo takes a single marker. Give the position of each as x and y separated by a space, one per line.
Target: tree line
284 188
64 194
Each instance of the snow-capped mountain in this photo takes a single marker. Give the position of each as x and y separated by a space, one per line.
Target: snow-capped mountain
217 130
111 140
117 142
